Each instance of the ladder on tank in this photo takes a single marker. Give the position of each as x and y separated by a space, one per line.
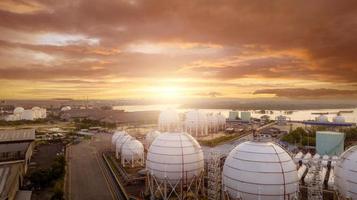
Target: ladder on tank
214 177
314 191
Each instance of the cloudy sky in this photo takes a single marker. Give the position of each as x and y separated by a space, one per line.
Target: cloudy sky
112 49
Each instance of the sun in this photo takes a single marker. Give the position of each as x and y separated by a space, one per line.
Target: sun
166 91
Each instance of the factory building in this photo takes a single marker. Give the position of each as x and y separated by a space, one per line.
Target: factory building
245 116
16 148
329 143
233 115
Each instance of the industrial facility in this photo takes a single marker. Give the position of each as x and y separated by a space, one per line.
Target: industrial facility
171 164
20 113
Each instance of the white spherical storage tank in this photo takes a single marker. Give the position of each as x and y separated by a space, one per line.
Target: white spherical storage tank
18 110
212 123
36 112
169 120
150 137
132 153
175 160
322 119
66 108
339 119
346 174
221 121
260 170
196 123
119 143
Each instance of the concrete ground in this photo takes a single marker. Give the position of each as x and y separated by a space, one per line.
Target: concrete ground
86 180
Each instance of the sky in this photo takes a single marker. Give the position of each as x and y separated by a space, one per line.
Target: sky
137 49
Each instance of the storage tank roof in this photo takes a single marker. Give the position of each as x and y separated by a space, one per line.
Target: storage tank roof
173 156
263 170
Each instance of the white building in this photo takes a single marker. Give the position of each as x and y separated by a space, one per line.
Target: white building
245 116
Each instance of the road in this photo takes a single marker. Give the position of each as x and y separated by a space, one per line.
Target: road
88 178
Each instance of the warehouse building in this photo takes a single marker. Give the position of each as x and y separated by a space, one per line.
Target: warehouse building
16 148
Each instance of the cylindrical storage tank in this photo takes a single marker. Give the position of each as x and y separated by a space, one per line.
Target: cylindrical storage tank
196 123
175 157
301 171
346 174
150 137
169 120
334 160
307 158
298 157
260 170
120 142
132 153
325 160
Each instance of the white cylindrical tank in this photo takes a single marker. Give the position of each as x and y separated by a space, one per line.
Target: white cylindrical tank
169 120
307 158
339 119
298 157
120 142
196 123
150 137
346 174
334 160
301 171
260 170
175 157
325 160
316 158
331 179
132 153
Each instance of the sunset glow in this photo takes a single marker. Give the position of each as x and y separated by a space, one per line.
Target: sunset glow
177 49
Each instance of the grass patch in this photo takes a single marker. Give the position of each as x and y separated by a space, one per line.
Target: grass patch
219 140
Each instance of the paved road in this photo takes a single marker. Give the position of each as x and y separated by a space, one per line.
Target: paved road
86 177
